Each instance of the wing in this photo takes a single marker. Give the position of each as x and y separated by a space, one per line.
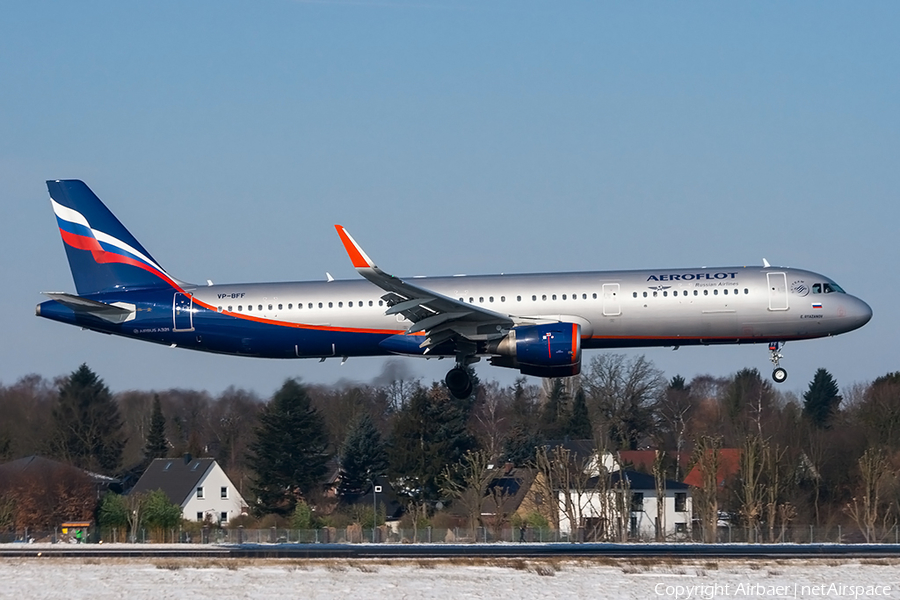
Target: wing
440 317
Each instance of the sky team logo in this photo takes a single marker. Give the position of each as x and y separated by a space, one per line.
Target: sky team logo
800 288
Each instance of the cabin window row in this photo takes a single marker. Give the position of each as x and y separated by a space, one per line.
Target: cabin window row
290 306
676 293
534 298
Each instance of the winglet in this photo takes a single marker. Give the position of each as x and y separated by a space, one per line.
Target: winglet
359 258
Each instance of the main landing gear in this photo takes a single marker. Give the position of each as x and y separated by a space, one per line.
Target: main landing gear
779 375
458 380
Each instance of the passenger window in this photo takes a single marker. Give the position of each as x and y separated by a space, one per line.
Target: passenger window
584 296
554 296
564 296
229 309
502 298
544 297
665 294
340 305
645 294
249 308
218 309
817 288
518 298
360 303
491 299
594 295
311 305
634 295
270 307
715 292
481 299
240 308
330 305
706 292
320 305
725 291
695 292
279 307
655 294
534 298
350 304
370 303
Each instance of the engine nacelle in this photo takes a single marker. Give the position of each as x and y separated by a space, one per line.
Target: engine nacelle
548 350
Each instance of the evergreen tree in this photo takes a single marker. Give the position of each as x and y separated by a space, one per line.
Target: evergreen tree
363 457
553 422
821 400
520 446
288 454
579 425
87 423
429 433
157 445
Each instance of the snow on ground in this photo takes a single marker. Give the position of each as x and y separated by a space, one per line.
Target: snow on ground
418 579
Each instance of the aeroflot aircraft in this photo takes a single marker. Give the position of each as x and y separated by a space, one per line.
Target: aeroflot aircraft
536 323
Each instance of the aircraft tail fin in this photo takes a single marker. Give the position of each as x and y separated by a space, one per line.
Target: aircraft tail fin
103 255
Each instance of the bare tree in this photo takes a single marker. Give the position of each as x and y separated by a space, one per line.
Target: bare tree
706 496
467 482
868 509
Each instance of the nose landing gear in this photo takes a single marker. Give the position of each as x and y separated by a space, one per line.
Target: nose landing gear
779 375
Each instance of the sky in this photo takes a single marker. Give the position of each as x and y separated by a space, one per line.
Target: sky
454 136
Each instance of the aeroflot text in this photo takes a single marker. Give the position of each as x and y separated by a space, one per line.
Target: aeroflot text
709 591
691 276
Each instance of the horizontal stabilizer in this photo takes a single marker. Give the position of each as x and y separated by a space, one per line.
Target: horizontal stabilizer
114 313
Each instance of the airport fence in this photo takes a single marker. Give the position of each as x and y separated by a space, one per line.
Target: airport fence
355 534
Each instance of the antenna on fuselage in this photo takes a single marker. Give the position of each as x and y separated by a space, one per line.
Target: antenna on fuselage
328 276
766 264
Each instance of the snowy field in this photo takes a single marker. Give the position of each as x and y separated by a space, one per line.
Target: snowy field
417 579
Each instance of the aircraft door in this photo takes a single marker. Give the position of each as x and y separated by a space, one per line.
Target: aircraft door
611 307
182 313
778 291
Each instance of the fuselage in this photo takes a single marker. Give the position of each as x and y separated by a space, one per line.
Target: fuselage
616 309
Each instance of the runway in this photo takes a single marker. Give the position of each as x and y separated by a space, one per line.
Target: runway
498 550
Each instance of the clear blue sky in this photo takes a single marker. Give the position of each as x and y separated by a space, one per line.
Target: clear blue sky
455 136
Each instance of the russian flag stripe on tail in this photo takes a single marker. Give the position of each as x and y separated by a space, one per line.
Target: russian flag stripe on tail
103 255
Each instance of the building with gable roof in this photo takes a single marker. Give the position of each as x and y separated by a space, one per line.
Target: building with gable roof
198 485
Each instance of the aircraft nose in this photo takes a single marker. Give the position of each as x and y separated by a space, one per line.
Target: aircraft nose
859 312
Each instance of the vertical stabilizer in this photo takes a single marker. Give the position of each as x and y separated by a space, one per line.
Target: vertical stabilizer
102 254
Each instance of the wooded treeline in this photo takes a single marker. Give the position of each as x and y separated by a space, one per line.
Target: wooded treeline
830 457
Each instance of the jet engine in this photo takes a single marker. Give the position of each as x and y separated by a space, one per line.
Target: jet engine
547 350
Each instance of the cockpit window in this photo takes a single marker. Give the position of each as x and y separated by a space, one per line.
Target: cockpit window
817 288
833 287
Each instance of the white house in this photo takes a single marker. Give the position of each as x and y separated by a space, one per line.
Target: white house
198 485
586 508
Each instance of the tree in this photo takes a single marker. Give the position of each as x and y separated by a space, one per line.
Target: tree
363 457
288 454
157 444
821 400
623 393
87 423
428 433
553 414
160 513
579 425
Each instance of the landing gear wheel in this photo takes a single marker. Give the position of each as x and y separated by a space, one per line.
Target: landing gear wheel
779 375
459 383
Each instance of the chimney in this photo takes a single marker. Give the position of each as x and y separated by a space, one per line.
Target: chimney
187 458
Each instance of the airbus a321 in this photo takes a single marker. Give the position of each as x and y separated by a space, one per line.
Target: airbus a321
537 323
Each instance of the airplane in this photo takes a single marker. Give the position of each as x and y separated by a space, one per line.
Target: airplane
537 323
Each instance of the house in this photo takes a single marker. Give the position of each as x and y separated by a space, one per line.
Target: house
198 485
601 513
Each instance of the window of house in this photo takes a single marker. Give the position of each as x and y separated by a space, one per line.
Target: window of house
223 492
199 516
223 517
637 501
680 527
680 501
200 493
